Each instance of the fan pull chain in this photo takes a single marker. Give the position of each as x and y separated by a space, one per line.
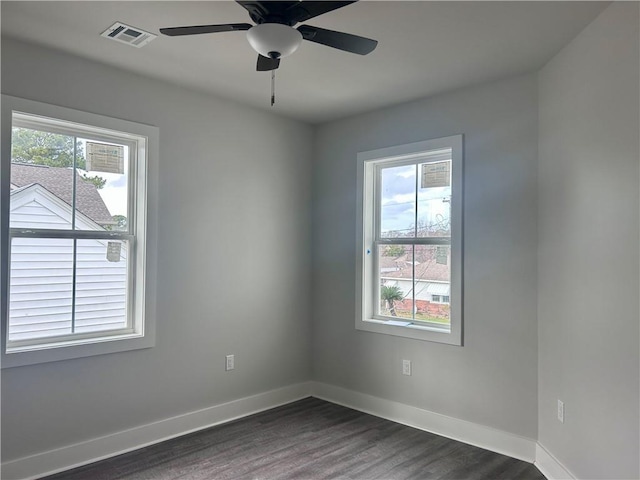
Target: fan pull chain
273 87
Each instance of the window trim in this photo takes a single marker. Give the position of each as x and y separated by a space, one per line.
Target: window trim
366 212
144 336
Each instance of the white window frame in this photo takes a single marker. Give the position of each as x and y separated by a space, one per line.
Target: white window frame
368 167
143 144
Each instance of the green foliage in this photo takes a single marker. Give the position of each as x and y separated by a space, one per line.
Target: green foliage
44 148
51 149
393 251
97 180
391 293
121 225
122 221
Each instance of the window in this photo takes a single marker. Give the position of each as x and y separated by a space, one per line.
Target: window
76 236
440 298
409 270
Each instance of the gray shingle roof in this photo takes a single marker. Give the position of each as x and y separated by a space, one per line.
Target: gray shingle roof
426 267
59 181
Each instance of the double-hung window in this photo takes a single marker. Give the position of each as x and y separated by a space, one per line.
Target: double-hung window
409 263
77 189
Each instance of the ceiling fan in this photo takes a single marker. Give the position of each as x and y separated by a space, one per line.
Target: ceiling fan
274 37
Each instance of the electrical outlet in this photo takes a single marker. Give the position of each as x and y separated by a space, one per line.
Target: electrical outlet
406 367
561 411
230 364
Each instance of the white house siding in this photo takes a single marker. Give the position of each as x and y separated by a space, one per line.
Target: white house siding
41 279
34 215
425 289
100 288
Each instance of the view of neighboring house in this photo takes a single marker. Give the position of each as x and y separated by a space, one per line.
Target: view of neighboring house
42 269
59 181
433 286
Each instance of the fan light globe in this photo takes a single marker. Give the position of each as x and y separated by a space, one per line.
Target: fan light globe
274 40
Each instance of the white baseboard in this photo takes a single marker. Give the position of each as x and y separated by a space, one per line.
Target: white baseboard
71 456
482 436
549 465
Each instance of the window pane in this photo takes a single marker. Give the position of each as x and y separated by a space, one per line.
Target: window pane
41 288
41 180
101 285
395 265
398 201
433 283
102 186
434 199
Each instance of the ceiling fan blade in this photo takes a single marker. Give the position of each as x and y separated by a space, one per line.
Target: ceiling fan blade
341 41
266 64
256 10
303 11
266 11
198 29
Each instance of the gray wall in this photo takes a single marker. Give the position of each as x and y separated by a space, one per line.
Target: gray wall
492 380
551 288
588 249
232 267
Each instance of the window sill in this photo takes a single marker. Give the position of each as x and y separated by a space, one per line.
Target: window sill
53 352
409 329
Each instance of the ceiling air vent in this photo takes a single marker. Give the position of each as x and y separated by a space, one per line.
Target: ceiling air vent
130 35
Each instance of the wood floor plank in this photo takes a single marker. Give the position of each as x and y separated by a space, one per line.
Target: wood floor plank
308 440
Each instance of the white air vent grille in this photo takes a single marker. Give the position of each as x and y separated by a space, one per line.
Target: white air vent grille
126 34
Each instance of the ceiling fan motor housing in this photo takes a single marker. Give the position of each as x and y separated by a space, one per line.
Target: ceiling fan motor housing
274 37
274 40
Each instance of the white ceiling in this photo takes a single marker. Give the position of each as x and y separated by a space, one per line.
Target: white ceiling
424 48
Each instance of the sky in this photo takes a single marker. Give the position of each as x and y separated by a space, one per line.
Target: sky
399 201
114 193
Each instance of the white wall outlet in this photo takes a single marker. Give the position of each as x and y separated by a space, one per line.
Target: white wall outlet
230 363
561 411
406 367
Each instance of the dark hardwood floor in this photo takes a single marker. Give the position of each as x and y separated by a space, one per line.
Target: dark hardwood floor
308 439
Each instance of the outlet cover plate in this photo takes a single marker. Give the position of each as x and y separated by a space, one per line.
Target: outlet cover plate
230 363
406 367
560 411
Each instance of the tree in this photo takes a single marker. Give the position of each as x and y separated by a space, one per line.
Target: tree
390 295
97 180
44 148
440 225
52 149
393 251
122 223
